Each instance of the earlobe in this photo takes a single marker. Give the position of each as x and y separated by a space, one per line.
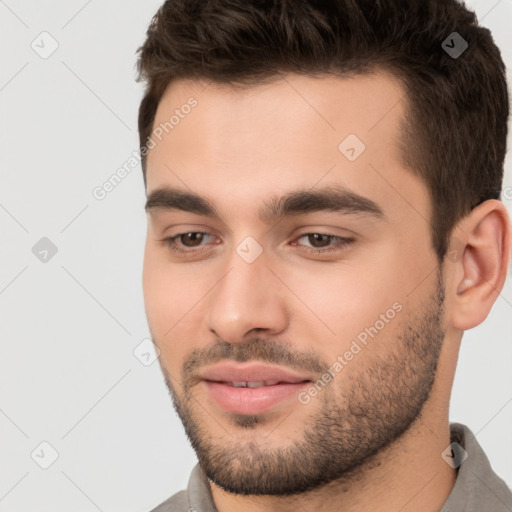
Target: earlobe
484 245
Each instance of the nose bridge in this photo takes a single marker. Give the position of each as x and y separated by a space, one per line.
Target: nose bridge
247 297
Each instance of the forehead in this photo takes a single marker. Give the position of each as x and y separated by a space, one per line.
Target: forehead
273 117
295 131
359 104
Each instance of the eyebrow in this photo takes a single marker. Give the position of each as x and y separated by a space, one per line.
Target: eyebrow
333 198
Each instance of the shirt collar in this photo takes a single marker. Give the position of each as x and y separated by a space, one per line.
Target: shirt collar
477 486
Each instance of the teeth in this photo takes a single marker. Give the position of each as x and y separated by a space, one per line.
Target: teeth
245 384
255 384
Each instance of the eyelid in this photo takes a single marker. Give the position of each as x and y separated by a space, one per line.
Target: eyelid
343 242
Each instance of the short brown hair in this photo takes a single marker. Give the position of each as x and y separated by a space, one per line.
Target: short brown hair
455 130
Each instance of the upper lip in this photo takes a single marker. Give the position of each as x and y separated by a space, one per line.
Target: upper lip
250 372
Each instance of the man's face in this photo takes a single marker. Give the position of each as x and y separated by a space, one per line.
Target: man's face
345 339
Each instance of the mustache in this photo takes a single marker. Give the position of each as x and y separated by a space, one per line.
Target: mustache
257 349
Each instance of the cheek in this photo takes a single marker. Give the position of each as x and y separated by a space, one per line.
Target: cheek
328 305
345 298
357 318
171 297
162 311
163 294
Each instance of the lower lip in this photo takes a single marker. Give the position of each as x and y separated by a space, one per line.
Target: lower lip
252 400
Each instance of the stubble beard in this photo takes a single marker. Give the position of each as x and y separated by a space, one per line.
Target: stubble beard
356 416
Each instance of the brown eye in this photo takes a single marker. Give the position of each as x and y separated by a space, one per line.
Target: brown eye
319 240
320 243
186 243
194 237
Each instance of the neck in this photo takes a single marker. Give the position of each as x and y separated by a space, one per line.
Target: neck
409 475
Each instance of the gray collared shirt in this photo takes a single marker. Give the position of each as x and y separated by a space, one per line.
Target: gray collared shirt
477 488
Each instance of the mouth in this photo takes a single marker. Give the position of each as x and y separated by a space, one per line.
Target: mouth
245 384
252 388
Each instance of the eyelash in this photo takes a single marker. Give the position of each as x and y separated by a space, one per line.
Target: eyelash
170 242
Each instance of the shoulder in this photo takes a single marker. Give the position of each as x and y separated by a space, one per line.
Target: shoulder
197 497
477 486
176 503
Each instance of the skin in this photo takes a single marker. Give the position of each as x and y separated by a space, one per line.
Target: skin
240 147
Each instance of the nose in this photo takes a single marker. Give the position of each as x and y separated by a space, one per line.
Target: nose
248 297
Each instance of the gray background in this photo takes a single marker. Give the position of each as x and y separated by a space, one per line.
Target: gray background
69 325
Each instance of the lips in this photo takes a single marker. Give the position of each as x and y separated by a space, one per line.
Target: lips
251 388
251 372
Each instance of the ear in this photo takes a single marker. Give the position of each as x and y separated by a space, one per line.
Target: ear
479 255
